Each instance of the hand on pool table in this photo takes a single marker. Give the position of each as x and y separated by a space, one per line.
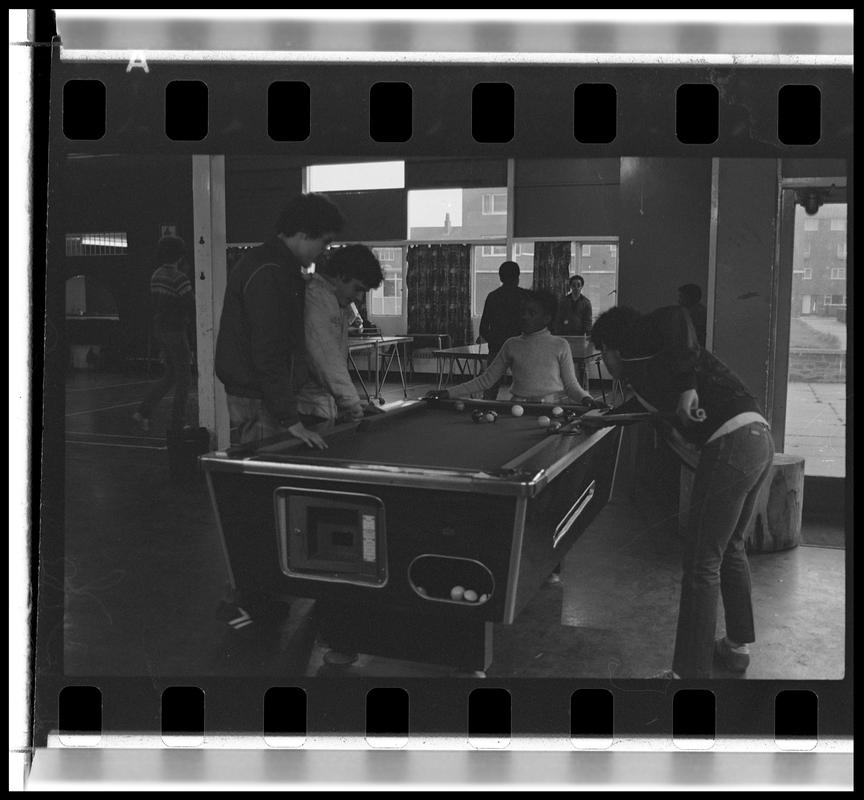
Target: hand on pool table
312 439
437 394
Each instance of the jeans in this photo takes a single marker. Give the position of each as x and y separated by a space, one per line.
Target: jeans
178 360
731 471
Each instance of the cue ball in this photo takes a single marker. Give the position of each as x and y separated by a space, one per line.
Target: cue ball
517 411
544 422
460 406
557 411
470 595
457 593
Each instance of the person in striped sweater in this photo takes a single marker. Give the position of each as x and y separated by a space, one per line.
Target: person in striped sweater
173 303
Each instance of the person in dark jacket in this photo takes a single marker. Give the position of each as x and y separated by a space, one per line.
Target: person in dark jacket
711 409
574 311
689 297
173 302
502 314
260 349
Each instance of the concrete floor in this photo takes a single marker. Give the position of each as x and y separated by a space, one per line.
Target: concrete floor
144 579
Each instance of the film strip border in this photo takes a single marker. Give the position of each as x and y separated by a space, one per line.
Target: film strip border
479 110
584 715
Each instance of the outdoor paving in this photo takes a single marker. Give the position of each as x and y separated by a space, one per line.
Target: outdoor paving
828 325
816 427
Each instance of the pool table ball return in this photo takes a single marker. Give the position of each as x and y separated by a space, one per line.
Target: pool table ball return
416 529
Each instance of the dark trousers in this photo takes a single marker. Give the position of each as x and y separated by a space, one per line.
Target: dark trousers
177 374
730 474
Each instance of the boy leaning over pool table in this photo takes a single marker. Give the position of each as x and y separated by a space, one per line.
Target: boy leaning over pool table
541 364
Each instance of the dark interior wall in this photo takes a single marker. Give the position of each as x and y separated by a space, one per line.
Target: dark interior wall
566 197
256 188
664 226
131 194
746 242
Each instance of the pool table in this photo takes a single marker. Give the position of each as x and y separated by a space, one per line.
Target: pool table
416 529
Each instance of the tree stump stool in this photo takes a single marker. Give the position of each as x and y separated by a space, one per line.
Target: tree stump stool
776 522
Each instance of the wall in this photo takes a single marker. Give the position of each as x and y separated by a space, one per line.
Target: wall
746 243
664 225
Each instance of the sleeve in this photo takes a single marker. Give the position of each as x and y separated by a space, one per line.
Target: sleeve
587 316
493 373
679 348
324 347
568 375
486 319
273 348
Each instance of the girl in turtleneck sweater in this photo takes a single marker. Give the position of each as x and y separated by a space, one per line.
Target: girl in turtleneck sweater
541 364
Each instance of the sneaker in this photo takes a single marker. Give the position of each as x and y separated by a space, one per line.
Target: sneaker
735 659
667 675
142 421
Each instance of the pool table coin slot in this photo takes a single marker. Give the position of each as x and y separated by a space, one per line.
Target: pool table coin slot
573 514
331 536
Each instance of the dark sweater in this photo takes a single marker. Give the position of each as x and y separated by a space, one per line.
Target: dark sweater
260 351
502 316
662 359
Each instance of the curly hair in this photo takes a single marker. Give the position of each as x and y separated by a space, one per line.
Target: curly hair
547 301
170 249
352 261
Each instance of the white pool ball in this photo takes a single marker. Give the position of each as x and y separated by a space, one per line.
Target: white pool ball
457 592
470 595
557 411
544 422
517 411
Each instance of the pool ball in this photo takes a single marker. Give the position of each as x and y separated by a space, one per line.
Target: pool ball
517 411
490 416
470 595
477 415
457 593
557 411
460 406
544 421
555 426
483 598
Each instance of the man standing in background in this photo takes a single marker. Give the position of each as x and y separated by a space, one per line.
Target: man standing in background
575 314
502 314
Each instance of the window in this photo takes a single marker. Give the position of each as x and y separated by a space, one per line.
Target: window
498 251
808 274
838 273
386 300
827 300
597 263
456 215
841 250
811 224
350 177
807 250
96 244
495 203
523 249
586 251
613 251
838 224
484 276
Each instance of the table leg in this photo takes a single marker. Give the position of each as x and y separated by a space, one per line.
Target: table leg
359 376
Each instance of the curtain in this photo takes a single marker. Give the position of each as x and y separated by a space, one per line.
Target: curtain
438 280
552 267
